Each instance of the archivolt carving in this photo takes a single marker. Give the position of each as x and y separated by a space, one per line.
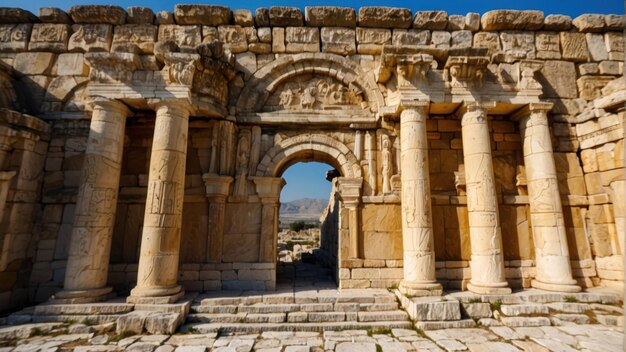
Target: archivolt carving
314 92
291 149
268 80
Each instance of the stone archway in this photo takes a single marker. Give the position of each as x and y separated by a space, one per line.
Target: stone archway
309 147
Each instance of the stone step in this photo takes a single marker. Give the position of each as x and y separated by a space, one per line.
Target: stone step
314 327
298 317
83 309
394 315
514 310
63 318
261 308
525 321
445 324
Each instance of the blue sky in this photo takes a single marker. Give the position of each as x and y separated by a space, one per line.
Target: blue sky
572 7
306 180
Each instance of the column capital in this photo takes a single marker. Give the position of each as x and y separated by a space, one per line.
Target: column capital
217 187
110 105
475 111
540 108
268 188
350 189
176 106
395 111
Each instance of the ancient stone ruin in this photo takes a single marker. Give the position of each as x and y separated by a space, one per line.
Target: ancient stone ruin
142 152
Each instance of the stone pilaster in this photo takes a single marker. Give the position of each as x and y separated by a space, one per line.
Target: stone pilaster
268 189
546 213
350 195
217 188
487 264
160 242
88 261
417 223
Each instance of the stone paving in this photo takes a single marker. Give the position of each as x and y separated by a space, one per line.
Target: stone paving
81 338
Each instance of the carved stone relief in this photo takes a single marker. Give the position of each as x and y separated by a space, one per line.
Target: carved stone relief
311 92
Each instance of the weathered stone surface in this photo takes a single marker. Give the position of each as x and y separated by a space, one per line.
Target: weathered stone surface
557 23
91 37
262 17
455 22
209 15
243 18
432 20
384 17
164 17
234 38
284 16
558 79
498 20
302 39
53 15
9 15
596 46
410 37
49 37
574 46
14 37
163 323
589 23
33 63
615 22
97 14
140 36
340 41
478 310
548 45
139 15
330 16
184 36
517 45
487 40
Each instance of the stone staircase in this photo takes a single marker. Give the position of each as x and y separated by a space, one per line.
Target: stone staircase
300 310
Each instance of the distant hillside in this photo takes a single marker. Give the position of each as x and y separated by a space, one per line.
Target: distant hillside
305 209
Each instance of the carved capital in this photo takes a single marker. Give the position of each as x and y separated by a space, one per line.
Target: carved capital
217 187
268 188
113 67
181 67
110 105
395 111
178 107
475 112
350 190
410 66
467 71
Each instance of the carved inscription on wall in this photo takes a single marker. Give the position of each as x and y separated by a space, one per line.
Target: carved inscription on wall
310 92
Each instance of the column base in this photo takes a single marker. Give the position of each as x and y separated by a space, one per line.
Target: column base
492 289
419 289
570 288
153 295
83 296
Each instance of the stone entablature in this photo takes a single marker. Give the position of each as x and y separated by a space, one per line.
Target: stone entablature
169 132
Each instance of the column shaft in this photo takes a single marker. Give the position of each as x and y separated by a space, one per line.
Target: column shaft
217 207
546 213
88 261
353 229
160 242
487 264
417 224
269 232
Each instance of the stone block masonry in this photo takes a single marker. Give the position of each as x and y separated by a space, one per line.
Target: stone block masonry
141 153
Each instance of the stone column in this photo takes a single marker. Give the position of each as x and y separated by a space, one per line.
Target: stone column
217 188
487 264
160 241
268 189
417 224
546 214
350 195
88 261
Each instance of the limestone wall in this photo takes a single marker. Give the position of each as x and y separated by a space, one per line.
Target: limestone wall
581 73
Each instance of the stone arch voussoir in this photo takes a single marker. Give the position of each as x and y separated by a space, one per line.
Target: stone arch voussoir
291 150
267 79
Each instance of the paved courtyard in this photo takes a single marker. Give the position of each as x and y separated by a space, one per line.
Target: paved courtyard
77 337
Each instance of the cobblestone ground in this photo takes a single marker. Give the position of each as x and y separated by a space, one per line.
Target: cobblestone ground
493 339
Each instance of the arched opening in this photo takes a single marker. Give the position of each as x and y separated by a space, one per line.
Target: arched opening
303 246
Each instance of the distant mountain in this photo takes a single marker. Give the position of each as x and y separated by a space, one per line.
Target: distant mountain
305 209
304 206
